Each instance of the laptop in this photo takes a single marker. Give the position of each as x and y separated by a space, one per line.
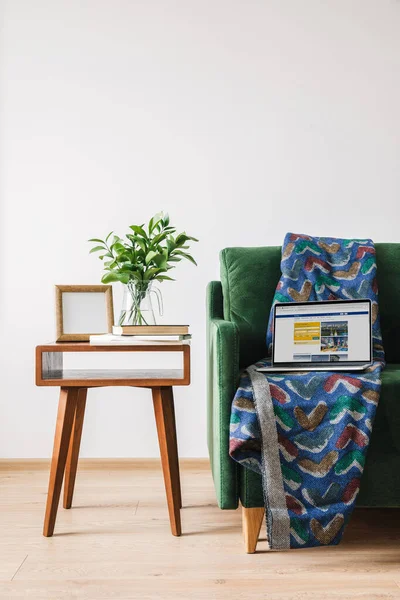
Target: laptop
322 336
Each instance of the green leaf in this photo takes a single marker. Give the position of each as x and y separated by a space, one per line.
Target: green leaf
96 240
123 277
158 226
115 276
116 240
182 238
96 249
150 273
137 275
139 230
150 256
118 247
126 256
160 260
185 255
171 244
111 232
191 259
164 278
142 244
154 221
109 277
158 238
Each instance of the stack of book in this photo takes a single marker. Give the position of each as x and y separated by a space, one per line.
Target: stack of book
144 334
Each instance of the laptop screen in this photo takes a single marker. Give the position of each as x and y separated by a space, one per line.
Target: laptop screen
322 332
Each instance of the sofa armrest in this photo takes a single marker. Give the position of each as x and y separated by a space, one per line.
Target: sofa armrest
222 381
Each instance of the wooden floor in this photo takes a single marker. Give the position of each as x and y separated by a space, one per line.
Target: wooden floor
115 543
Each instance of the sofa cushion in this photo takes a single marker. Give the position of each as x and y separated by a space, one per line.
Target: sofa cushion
380 483
249 277
388 276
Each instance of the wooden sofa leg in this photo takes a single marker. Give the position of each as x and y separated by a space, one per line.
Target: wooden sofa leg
251 519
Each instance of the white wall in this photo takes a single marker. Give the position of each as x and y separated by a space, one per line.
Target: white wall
243 119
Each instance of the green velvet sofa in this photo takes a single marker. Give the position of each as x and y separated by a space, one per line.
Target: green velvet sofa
238 308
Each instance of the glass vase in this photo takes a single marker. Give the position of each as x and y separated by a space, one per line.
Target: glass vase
137 306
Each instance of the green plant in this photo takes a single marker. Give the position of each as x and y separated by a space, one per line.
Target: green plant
145 255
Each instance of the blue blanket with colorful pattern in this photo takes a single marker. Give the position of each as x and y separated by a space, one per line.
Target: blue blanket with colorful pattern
308 433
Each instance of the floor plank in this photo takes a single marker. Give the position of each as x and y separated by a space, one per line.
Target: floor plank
115 542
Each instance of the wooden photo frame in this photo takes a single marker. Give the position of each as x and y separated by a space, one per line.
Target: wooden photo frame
80 314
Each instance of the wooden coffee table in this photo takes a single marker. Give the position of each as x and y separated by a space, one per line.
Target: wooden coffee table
74 385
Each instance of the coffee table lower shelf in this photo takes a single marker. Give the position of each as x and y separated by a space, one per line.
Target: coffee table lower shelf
113 377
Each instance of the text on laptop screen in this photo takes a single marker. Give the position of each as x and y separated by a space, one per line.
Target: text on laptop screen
326 332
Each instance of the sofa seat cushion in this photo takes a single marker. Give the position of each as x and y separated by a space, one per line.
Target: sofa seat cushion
382 468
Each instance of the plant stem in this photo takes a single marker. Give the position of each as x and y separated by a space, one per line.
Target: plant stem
134 316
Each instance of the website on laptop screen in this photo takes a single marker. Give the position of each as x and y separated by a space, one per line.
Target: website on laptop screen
326 332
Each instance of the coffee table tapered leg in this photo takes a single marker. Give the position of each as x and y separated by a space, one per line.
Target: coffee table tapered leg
169 392
165 419
65 419
74 445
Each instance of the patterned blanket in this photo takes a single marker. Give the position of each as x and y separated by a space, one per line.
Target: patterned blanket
308 433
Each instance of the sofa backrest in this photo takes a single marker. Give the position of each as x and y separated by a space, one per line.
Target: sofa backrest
249 277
